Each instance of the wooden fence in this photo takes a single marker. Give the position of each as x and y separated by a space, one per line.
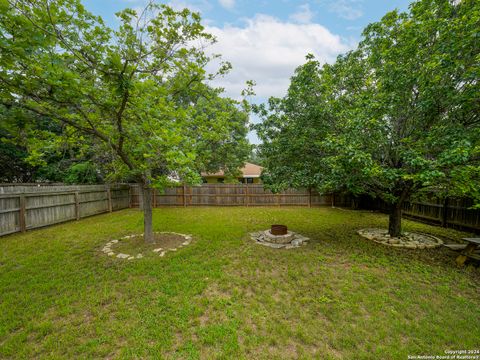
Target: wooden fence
30 206
236 195
451 212
24 207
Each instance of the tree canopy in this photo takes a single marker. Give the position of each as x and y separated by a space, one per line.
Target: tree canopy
395 117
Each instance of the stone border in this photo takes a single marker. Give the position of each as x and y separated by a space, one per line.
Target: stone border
107 249
261 237
407 240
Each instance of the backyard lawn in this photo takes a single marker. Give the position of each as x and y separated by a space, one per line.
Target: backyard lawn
223 296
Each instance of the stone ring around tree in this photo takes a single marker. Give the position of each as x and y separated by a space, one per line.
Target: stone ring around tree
408 240
161 251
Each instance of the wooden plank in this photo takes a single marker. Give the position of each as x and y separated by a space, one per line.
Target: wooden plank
472 240
184 195
109 197
6 211
21 214
77 206
474 256
455 247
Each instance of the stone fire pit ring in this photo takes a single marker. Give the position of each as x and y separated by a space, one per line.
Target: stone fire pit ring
289 240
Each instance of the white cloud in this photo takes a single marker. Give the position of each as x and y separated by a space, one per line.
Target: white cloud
227 4
268 50
194 5
347 9
304 15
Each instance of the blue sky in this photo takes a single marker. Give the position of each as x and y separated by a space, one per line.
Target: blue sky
266 40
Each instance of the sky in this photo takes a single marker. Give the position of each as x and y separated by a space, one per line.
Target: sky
266 40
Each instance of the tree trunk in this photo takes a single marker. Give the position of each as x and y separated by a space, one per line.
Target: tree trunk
395 220
147 213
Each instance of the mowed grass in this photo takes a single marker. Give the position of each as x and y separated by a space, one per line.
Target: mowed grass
223 296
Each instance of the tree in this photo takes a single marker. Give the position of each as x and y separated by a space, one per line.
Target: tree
396 117
132 92
66 159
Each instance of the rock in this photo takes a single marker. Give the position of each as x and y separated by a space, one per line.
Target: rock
111 253
131 258
123 256
157 250
174 249
295 242
185 243
139 256
410 246
114 241
162 253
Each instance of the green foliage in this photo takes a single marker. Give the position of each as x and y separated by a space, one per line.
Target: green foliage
82 173
136 97
397 116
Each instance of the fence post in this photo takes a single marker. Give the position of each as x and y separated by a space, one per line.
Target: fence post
130 196
77 205
309 197
21 214
154 190
109 196
184 195
247 202
445 212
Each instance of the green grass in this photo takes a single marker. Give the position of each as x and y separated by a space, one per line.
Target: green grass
223 296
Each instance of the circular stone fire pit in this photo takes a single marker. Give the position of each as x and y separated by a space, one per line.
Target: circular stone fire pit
279 237
407 240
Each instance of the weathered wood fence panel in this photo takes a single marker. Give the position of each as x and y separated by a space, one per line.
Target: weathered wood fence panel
450 212
236 195
25 207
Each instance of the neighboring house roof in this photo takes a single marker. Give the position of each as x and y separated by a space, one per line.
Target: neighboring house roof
249 170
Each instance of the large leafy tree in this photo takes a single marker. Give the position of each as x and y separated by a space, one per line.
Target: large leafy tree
394 118
133 93
62 160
